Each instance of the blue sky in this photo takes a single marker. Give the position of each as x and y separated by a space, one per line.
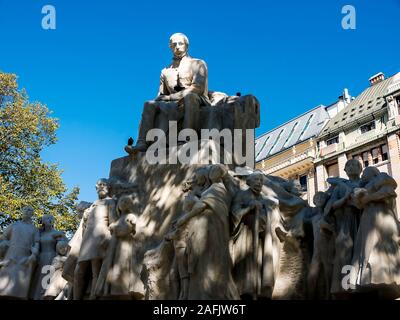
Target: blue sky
104 59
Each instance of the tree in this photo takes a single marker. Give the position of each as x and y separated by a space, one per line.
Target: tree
25 130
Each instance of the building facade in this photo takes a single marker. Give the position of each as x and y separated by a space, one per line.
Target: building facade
367 129
289 150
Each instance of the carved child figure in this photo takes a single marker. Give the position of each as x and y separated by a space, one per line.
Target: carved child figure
58 288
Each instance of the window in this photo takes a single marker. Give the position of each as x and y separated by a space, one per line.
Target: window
367 127
365 159
332 141
263 145
303 182
333 170
276 141
375 155
384 150
290 134
398 104
306 127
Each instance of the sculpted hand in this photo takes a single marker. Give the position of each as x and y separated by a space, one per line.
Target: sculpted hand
28 260
4 264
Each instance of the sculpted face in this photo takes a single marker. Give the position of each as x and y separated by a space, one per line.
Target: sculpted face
27 213
62 248
368 174
48 221
178 44
102 188
320 199
353 168
255 182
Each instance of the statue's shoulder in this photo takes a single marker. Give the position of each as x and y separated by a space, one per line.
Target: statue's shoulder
242 194
198 62
110 201
383 179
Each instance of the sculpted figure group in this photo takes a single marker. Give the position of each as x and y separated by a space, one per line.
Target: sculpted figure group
249 237
234 234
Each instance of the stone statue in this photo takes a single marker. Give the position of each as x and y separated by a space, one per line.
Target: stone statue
179 236
376 259
320 271
4 245
75 245
23 249
118 277
253 266
58 288
159 274
48 242
183 84
291 277
342 216
95 239
206 273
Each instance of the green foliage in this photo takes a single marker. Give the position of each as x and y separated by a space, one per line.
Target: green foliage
25 130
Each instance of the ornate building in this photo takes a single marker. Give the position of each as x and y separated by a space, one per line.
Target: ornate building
367 129
289 150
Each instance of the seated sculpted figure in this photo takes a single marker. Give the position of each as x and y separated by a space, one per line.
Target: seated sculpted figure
183 84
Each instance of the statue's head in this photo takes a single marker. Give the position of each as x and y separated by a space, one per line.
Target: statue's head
217 172
27 212
255 182
179 45
201 177
126 204
103 188
320 199
368 174
293 186
62 247
353 168
81 207
47 221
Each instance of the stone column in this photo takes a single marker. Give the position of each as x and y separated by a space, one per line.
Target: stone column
394 157
321 175
342 159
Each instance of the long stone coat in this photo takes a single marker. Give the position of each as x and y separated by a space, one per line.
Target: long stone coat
16 276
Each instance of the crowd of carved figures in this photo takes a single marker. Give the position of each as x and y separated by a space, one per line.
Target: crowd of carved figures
240 236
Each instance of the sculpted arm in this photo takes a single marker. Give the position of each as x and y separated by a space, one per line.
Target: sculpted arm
386 191
163 89
343 200
7 233
199 207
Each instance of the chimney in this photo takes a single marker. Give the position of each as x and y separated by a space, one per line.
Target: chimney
346 96
376 78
